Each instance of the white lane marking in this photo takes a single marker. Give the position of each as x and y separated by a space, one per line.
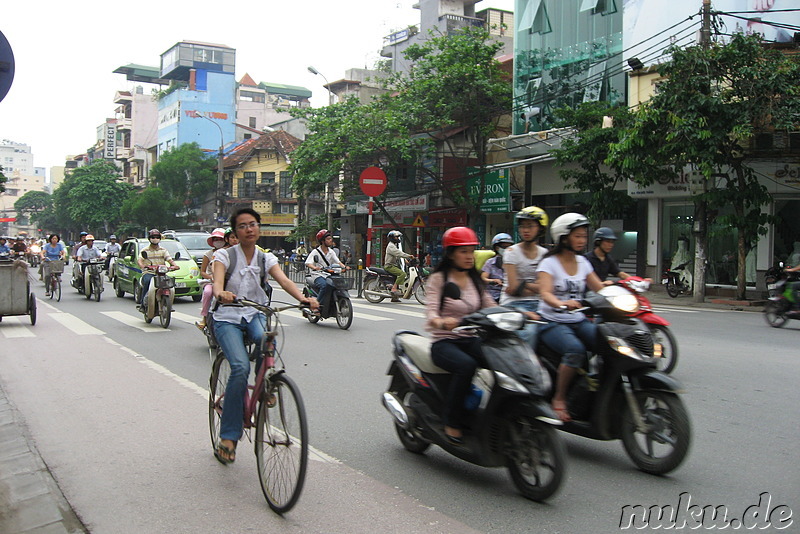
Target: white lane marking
298 314
420 313
13 327
78 326
314 454
416 310
46 304
135 321
185 317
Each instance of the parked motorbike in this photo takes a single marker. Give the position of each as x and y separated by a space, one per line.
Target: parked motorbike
337 304
659 327
378 284
90 283
161 294
675 281
783 306
620 394
511 423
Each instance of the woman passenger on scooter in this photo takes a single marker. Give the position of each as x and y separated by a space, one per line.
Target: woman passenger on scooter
455 289
564 275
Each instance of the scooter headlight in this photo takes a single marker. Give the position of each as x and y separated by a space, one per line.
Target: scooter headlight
621 298
508 321
619 345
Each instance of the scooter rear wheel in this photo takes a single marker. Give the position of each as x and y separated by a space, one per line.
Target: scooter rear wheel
410 440
664 445
672 288
537 458
775 314
419 294
373 284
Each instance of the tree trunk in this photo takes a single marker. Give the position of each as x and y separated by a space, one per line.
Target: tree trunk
700 236
741 267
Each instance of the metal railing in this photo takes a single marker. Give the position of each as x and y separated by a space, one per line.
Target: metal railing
296 272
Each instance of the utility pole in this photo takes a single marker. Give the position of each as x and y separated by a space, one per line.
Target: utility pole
700 226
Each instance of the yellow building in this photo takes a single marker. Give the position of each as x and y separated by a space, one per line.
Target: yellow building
257 176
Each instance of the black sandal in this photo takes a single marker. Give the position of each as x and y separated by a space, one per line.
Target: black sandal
230 454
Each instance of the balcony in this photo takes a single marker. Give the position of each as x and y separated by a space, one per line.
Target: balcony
124 124
457 22
124 153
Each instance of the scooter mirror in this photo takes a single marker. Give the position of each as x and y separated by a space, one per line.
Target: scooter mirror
452 290
144 254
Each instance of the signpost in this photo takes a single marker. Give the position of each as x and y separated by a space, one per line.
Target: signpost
373 183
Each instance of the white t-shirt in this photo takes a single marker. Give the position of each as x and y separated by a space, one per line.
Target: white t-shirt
245 282
315 258
526 270
565 287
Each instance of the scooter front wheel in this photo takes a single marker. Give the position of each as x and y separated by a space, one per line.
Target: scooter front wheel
344 314
669 347
164 311
373 284
663 444
536 458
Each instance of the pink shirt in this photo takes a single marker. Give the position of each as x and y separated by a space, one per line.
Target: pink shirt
469 302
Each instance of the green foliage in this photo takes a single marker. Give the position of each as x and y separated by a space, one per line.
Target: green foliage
710 101
186 175
33 202
586 154
174 85
149 208
95 195
307 229
455 83
3 180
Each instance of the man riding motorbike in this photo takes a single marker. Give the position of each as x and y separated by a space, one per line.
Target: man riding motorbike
392 263
321 258
156 255
492 271
87 252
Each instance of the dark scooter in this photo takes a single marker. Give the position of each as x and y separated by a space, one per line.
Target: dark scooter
782 304
620 394
512 424
337 304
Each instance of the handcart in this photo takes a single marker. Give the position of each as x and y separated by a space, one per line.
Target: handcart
16 297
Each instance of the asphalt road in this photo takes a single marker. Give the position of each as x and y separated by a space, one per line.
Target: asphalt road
121 419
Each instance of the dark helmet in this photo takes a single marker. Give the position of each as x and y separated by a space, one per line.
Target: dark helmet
82 234
395 236
499 239
604 233
154 232
460 236
322 235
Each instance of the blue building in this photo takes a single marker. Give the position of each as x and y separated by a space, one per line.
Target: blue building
202 92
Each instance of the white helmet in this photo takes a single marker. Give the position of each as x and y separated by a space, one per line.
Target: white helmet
566 223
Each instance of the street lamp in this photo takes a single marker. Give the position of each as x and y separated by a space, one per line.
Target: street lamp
328 209
219 167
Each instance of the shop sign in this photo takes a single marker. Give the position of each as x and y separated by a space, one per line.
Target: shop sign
169 115
675 186
447 217
273 218
496 190
419 203
275 232
111 141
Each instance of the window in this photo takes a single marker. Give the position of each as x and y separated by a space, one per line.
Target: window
252 122
267 177
247 185
205 55
252 96
285 185
287 208
248 136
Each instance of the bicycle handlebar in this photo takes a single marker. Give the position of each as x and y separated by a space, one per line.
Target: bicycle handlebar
263 307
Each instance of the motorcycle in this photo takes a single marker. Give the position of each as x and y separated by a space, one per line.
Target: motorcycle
512 424
619 393
90 283
111 261
161 294
33 255
783 306
659 327
675 281
338 303
378 284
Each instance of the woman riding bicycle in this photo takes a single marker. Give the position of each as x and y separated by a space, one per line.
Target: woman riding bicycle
233 324
54 250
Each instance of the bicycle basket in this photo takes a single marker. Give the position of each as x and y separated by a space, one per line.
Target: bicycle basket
56 266
166 282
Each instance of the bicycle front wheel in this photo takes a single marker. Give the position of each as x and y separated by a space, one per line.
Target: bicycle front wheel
281 443
56 289
220 372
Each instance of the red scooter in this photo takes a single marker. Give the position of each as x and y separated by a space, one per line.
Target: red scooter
659 327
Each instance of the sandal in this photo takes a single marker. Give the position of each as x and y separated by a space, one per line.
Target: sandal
225 455
560 407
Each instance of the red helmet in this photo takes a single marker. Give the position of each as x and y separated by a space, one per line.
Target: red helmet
322 234
460 236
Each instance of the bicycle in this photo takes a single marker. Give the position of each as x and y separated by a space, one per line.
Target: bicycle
53 279
276 410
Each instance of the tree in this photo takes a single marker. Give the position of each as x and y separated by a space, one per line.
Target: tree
147 209
455 86
3 180
588 150
91 197
33 203
707 107
186 175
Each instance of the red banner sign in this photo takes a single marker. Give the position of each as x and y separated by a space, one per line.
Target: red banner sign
447 217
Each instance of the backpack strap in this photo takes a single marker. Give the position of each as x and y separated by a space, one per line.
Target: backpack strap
321 255
261 261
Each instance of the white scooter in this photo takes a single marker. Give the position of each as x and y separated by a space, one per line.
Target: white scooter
378 284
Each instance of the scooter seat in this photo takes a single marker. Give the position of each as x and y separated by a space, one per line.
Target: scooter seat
379 271
418 348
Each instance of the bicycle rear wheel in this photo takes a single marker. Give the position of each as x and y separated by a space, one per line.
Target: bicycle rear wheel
220 372
281 443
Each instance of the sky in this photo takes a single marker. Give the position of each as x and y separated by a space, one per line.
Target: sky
65 53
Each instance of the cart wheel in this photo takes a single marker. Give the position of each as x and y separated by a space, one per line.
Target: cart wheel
1 318
32 309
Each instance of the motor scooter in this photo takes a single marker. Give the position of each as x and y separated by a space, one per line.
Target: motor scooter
783 306
337 304
161 294
33 255
511 424
619 393
378 284
659 327
675 281
90 281
111 261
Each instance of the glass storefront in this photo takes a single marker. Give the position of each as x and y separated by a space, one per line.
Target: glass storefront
786 244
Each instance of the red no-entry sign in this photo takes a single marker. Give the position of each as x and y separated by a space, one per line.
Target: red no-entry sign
372 181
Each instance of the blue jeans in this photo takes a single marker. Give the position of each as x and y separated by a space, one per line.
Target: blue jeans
571 340
231 337
145 286
461 358
323 287
528 333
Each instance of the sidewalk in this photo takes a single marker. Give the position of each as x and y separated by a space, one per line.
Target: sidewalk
658 296
30 499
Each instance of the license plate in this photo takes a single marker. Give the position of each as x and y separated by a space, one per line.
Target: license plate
180 284
772 286
664 281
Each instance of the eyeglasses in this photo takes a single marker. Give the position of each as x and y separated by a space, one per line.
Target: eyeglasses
245 226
